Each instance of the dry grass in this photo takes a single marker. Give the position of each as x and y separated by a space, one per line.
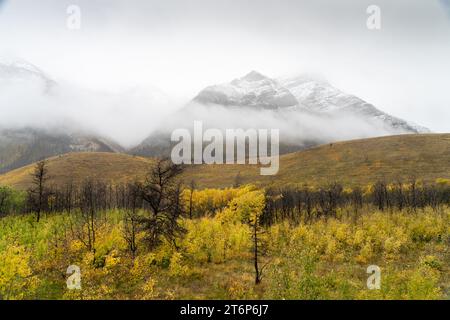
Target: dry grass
103 166
357 162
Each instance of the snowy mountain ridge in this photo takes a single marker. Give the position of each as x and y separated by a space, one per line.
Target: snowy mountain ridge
304 92
252 90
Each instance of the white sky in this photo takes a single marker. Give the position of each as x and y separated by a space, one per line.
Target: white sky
182 46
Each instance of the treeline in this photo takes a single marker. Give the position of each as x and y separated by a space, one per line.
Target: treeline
152 206
150 210
293 203
306 203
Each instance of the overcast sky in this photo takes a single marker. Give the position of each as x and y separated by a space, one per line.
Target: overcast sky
181 46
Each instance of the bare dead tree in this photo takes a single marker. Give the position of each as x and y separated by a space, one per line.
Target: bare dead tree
357 200
413 191
259 246
161 193
191 195
88 212
380 195
91 203
131 219
38 192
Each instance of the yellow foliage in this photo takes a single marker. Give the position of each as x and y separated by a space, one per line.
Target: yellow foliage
317 259
209 201
16 279
443 182
148 289
177 266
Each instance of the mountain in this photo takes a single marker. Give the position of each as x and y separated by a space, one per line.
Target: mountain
304 92
308 111
22 144
353 163
19 147
318 95
253 90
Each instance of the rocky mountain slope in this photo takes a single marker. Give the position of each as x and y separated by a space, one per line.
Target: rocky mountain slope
307 110
317 94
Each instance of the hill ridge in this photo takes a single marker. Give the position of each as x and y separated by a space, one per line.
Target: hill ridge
355 162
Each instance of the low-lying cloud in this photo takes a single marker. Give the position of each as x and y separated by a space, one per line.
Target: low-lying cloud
297 126
126 117
130 116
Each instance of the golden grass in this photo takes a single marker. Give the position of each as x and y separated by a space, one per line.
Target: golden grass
103 166
356 162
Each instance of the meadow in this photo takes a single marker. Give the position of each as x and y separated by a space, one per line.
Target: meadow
137 228
323 256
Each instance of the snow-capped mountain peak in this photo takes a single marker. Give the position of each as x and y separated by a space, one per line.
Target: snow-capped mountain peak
306 92
252 90
318 95
253 76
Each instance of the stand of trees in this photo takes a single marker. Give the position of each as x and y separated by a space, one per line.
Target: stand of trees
153 206
162 198
220 222
305 204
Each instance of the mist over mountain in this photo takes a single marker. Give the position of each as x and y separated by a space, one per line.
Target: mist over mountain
34 123
20 72
30 98
307 110
43 117
316 94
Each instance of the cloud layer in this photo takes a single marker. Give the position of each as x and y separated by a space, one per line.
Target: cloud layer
128 49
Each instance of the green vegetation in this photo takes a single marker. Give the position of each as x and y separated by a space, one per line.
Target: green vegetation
11 201
320 258
137 232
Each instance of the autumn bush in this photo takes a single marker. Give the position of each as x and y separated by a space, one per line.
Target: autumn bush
322 258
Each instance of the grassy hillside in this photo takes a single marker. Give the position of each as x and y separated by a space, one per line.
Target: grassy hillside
104 166
352 163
